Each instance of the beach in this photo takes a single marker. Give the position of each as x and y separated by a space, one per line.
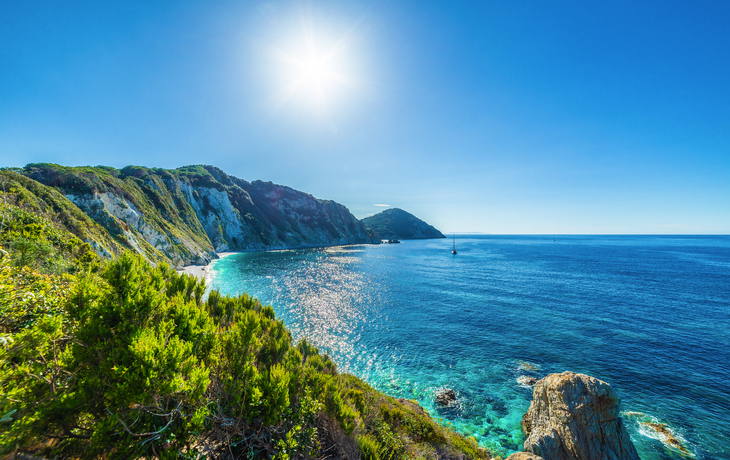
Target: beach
202 271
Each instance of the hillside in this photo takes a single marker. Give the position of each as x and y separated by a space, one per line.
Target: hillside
113 357
399 224
186 215
120 359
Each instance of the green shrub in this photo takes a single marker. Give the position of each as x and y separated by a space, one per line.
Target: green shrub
133 379
369 448
133 362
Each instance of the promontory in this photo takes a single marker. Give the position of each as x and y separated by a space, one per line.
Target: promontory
396 223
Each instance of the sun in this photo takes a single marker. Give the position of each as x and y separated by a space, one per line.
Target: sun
313 71
313 76
316 72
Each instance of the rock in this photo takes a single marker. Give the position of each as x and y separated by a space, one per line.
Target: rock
445 396
575 417
524 456
667 437
184 216
525 366
527 380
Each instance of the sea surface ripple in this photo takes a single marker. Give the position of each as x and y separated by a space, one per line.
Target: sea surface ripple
648 314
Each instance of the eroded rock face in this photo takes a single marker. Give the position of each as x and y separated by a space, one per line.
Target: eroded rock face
575 416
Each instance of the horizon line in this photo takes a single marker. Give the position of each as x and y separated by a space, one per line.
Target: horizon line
587 234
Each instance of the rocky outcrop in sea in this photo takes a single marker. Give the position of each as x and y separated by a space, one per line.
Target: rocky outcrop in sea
445 396
575 417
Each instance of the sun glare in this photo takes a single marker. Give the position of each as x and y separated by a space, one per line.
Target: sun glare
313 70
313 76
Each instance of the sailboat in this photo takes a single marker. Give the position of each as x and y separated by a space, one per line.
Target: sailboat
453 251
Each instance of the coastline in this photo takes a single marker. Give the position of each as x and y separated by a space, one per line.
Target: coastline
203 271
407 371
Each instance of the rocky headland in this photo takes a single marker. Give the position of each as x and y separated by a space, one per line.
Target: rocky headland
182 216
398 224
575 417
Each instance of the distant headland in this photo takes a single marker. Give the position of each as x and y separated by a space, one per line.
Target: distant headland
398 224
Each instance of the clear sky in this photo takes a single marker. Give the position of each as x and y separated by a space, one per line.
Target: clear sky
490 116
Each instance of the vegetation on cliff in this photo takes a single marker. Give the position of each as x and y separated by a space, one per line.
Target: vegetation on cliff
183 216
396 223
120 359
43 227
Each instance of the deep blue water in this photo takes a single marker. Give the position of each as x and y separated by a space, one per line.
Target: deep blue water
648 314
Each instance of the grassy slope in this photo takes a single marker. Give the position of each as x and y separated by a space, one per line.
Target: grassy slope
57 213
221 375
154 192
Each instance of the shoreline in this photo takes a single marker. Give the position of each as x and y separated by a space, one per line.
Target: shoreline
202 271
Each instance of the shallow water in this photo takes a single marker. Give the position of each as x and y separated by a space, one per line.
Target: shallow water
648 314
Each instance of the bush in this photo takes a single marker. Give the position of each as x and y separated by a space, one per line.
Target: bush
369 447
132 362
132 380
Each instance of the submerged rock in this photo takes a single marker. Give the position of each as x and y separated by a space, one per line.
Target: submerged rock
445 397
576 417
525 366
661 431
527 380
667 437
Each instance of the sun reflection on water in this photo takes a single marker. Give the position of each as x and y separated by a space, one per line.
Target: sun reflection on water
410 322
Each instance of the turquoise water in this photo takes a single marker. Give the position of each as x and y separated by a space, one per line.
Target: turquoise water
650 315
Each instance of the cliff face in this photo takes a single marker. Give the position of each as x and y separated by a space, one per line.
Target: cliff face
261 215
399 224
184 216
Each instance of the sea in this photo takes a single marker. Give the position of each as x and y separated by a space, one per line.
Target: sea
648 314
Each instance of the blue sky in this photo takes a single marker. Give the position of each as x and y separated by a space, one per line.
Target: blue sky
499 117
